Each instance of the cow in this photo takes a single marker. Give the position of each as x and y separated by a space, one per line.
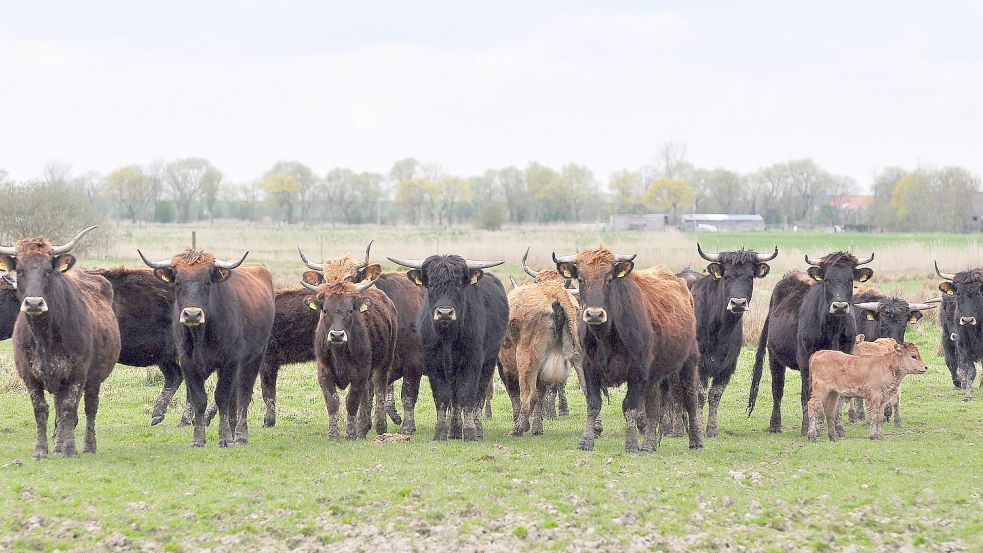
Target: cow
808 312
408 298
874 377
355 344
462 323
66 340
721 297
640 329
540 346
9 304
880 316
967 288
949 324
220 320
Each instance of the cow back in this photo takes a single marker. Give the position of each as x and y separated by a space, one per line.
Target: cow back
294 324
142 305
9 308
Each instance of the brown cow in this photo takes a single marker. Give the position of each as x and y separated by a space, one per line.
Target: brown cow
66 339
354 344
539 347
874 377
9 304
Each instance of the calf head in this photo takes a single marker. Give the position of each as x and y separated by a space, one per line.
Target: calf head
890 317
342 307
38 266
836 273
911 359
448 280
191 274
597 272
967 288
343 269
736 271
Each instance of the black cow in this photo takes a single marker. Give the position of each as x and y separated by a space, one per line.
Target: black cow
950 337
808 312
221 320
9 304
967 287
462 323
721 298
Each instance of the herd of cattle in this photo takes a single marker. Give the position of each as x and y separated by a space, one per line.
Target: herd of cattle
674 339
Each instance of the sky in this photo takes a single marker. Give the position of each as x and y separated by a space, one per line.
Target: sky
856 86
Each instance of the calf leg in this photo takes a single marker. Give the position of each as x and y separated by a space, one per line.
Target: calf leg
815 407
896 403
91 408
40 420
777 391
831 408
409 392
172 380
268 377
875 416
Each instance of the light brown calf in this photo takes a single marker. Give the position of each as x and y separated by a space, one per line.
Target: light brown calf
873 377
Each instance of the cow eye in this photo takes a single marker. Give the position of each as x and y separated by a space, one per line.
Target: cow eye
914 357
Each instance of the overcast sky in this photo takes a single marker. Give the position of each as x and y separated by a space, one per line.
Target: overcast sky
856 86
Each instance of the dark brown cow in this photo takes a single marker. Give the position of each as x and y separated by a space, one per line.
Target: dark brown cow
291 341
640 329
221 320
9 304
354 344
66 339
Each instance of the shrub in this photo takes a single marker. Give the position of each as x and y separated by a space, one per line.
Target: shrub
56 211
491 216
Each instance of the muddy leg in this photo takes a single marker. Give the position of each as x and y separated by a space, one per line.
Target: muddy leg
631 406
352 401
815 409
382 392
562 409
198 401
268 378
331 403
716 393
391 404
488 399
831 409
409 392
224 392
537 410
91 408
68 404
653 412
592 393
549 400
40 420
456 430
875 417
777 391
172 380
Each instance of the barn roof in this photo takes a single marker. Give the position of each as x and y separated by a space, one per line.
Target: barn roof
717 217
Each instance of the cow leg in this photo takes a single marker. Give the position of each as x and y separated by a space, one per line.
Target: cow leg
187 416
366 401
40 419
409 392
515 396
804 398
968 376
562 407
538 409
689 387
777 391
224 400
391 404
172 380
198 401
631 407
592 393
488 398
331 403
268 374
549 400
440 388
716 393
91 408
68 404
244 396
382 393
857 410
469 397
653 412
352 401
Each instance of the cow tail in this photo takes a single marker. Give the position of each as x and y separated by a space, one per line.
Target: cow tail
759 361
559 321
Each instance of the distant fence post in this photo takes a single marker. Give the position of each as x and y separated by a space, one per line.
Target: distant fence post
194 240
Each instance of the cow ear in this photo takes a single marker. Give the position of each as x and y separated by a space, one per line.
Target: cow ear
761 270
899 349
311 302
816 273
416 277
863 274
312 277
870 315
623 268
860 338
362 304
568 270
221 274
915 317
947 288
8 263
164 274
63 262
476 275
716 270
371 272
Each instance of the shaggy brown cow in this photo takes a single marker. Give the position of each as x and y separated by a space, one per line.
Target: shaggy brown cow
640 329
354 344
539 346
874 377
66 339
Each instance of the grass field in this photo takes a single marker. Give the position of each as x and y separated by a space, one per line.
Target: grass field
921 488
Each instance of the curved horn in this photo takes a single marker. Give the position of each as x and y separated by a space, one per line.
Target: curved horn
921 306
67 246
625 257
9 278
365 263
934 300
868 260
564 258
310 286
230 264
409 263
529 270
811 262
945 276
308 262
762 258
482 264
711 257
868 305
514 283
8 250
365 284
154 264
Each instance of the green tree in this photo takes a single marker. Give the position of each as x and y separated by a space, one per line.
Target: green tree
132 190
282 188
669 195
627 189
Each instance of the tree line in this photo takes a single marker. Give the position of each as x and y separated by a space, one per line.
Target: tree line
795 192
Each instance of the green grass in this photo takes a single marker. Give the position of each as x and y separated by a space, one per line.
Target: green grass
290 487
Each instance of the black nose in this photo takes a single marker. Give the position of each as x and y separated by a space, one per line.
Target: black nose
444 314
737 305
34 305
338 336
192 316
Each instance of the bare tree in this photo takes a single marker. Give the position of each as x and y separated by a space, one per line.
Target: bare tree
187 178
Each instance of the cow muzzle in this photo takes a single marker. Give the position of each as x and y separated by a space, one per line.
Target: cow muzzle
337 337
192 316
839 308
33 305
595 315
967 321
737 305
444 314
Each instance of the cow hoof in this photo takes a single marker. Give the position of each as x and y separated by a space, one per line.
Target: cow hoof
89 448
157 419
711 432
631 450
70 452
516 433
225 443
39 455
241 440
813 437
697 445
586 445
198 444
269 421
407 429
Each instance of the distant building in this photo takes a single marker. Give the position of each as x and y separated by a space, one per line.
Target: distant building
645 221
855 212
723 222
975 224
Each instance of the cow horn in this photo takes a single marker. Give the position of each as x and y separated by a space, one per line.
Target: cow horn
482 264
762 258
365 263
364 285
67 247
230 264
163 263
868 305
921 306
9 278
945 276
310 286
409 263
308 262
868 260
624 257
711 257
529 270
514 283
8 250
564 258
811 262
934 300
